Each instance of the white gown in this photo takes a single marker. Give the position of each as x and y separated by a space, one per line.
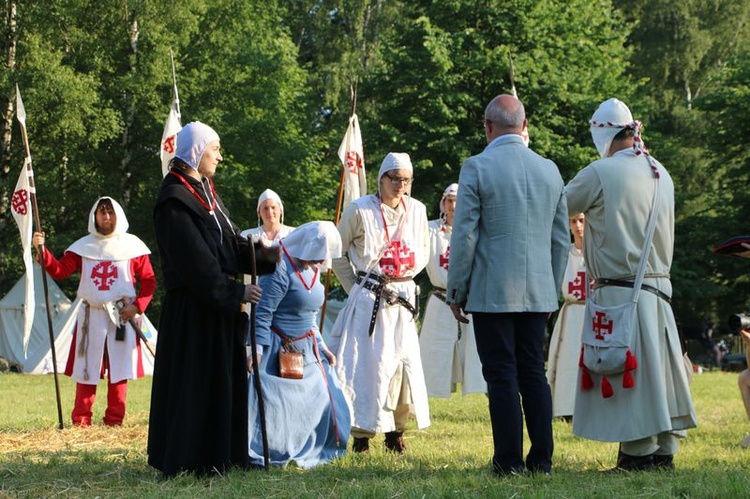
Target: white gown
372 368
565 344
448 347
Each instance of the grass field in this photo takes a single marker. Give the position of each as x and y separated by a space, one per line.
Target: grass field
449 459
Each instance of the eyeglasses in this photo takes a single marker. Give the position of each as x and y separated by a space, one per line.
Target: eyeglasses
400 180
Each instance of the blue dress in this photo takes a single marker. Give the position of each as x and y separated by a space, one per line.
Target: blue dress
308 420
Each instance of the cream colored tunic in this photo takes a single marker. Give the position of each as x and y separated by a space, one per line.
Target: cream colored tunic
373 369
616 193
565 344
447 360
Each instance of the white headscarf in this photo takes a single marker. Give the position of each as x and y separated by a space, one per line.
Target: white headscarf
608 120
119 245
314 241
192 141
395 161
121 221
451 190
269 194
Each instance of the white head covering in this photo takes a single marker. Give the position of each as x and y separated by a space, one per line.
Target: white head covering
269 194
611 117
451 190
395 161
119 245
192 140
314 241
121 222
608 120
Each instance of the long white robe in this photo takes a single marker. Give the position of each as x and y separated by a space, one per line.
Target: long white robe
447 360
565 344
370 368
616 194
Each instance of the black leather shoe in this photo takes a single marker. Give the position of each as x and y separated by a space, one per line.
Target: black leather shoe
361 445
394 442
663 462
626 462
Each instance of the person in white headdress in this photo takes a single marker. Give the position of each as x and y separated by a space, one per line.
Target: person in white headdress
565 343
448 347
649 408
198 418
308 418
271 228
111 264
385 239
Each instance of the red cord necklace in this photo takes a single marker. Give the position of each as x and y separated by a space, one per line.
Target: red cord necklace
197 196
296 270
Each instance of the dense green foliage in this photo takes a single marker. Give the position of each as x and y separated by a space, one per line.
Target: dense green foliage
274 79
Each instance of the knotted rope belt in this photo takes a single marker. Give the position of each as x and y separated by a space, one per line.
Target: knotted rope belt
602 281
377 284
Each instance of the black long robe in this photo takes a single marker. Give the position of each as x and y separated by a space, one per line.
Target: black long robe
198 419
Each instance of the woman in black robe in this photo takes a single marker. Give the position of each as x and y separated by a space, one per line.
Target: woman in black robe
198 419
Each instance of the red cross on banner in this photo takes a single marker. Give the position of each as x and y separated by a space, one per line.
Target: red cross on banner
577 287
397 259
353 162
104 274
600 326
444 258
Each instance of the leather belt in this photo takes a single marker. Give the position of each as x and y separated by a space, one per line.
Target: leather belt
377 284
603 281
440 295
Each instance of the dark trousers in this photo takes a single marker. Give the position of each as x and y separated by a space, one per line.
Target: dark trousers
511 349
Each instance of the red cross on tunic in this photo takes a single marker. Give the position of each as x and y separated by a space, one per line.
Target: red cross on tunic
104 274
444 258
577 287
397 259
600 326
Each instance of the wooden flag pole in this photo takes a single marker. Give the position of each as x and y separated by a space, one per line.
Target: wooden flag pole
21 115
339 202
256 364
174 83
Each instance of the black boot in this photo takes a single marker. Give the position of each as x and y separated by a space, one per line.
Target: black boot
626 462
394 442
361 445
663 462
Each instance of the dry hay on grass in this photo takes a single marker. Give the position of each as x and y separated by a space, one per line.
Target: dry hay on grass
74 440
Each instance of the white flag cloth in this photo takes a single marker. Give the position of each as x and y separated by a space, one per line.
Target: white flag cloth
169 138
352 157
20 205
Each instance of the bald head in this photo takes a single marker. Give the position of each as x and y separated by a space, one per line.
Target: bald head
503 115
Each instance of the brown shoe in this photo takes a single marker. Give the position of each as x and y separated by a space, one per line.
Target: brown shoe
361 445
394 442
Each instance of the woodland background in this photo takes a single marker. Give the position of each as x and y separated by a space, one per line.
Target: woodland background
273 78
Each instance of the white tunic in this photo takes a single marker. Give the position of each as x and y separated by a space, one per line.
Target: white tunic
616 194
446 359
102 283
369 366
565 344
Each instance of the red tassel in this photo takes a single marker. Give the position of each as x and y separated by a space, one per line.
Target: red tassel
627 380
630 361
607 391
587 382
580 359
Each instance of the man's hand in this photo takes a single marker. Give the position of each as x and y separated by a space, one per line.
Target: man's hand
745 335
258 357
457 309
128 312
253 293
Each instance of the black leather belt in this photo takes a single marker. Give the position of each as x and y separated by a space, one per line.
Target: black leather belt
602 281
440 295
376 283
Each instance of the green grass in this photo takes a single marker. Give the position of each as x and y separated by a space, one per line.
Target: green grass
449 459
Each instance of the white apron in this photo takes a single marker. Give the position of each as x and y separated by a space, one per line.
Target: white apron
446 358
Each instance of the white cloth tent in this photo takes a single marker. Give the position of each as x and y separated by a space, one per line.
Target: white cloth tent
38 358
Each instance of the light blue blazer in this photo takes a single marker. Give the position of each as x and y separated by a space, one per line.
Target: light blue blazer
510 239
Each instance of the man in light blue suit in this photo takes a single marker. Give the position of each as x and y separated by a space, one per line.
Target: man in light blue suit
509 250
